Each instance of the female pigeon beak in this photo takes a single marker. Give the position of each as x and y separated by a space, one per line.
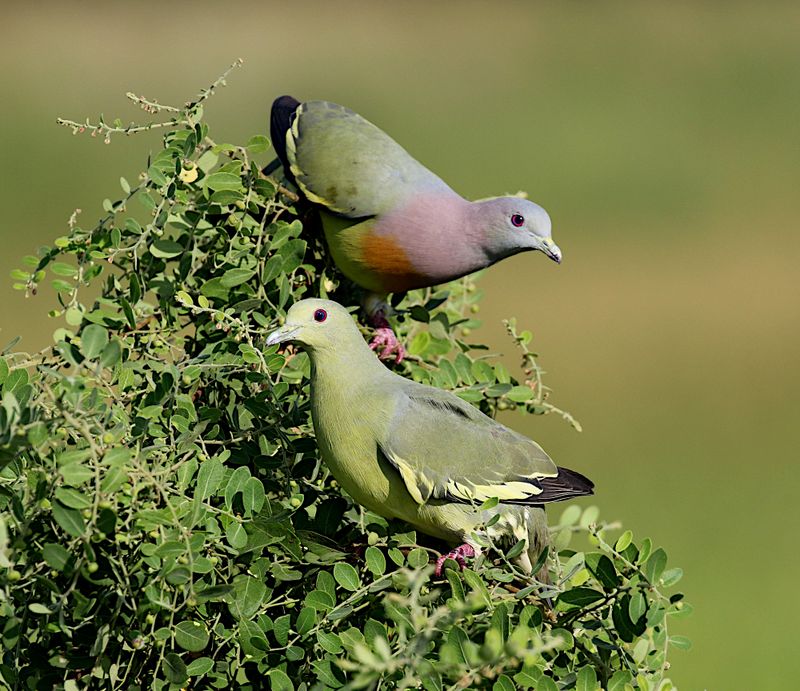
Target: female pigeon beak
285 333
551 250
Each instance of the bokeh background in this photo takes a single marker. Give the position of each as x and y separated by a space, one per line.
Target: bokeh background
664 141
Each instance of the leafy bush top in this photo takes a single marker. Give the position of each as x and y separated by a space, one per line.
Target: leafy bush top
166 521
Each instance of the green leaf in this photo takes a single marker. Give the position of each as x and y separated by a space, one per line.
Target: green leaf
281 629
618 681
246 597
235 277
530 678
200 666
503 683
346 576
477 584
580 597
223 181
157 176
329 675
624 540
417 558
327 583
570 515
319 600
72 498
586 680
671 576
520 394
459 642
546 684
59 286
93 339
603 569
70 520
257 144
252 638
253 495
420 343
209 478
175 668
56 556
191 635
165 249
76 474
329 642
655 565
376 562
680 642
456 586
236 535
432 681
637 607
305 620
517 549
61 269
279 680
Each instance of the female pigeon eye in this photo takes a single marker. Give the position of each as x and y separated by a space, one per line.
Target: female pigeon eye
320 316
517 220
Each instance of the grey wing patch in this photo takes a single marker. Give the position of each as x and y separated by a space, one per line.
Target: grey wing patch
444 405
446 449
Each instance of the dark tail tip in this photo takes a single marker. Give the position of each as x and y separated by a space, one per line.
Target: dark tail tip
566 485
281 118
581 484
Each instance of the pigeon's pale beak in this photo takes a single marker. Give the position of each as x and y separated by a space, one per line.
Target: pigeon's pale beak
551 250
285 333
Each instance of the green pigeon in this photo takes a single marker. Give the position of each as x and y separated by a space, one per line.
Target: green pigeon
409 451
392 225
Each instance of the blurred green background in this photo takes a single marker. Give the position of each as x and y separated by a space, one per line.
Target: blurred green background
664 141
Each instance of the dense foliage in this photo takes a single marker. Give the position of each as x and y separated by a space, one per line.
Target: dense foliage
166 521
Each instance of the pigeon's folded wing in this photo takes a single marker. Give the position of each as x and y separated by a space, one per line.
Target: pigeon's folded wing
347 164
446 449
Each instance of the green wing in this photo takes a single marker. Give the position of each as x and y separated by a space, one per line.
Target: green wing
344 162
445 448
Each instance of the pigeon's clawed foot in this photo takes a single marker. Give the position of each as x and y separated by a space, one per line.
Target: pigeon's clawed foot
384 341
459 555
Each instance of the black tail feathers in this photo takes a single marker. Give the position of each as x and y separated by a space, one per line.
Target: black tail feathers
281 119
566 485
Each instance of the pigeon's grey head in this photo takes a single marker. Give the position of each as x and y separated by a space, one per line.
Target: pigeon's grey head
514 224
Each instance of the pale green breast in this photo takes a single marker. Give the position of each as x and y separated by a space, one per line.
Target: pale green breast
348 421
348 444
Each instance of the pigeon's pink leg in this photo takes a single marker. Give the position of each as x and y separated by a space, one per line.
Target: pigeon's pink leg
459 554
385 340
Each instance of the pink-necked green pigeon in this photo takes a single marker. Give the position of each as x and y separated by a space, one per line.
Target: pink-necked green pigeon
420 454
390 223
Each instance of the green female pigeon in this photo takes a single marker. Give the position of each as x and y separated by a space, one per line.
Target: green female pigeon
390 223
409 451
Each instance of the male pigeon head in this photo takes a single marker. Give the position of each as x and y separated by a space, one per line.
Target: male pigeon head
514 225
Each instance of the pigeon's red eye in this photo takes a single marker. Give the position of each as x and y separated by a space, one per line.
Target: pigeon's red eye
517 220
320 316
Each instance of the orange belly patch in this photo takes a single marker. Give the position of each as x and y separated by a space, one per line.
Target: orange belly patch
388 260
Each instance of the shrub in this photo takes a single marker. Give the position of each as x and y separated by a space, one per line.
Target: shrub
165 518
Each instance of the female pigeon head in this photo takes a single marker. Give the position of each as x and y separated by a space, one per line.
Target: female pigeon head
316 324
515 225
